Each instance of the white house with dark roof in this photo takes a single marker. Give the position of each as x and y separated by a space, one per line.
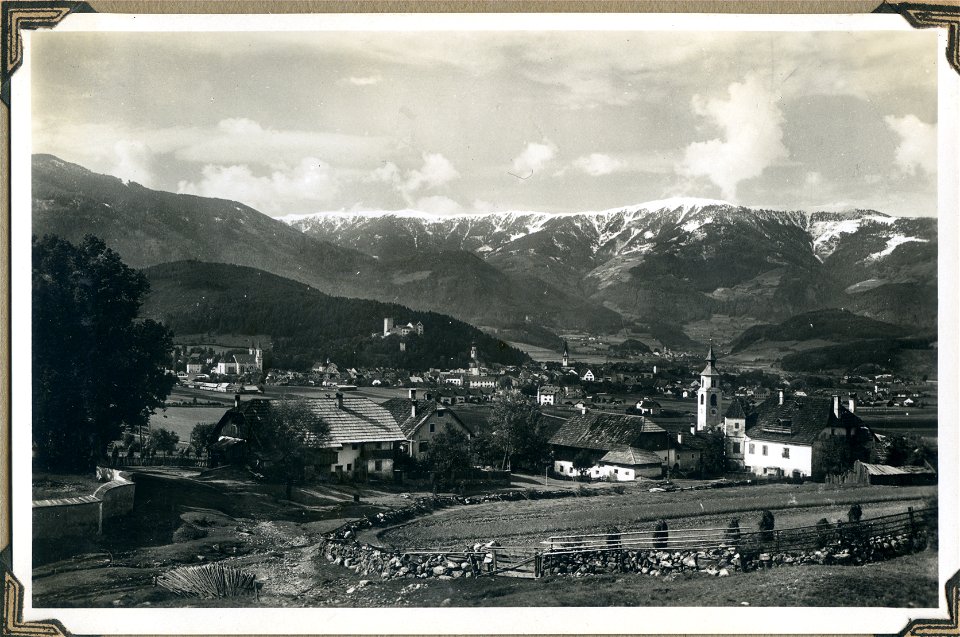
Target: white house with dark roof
422 420
548 395
788 434
597 434
363 434
629 463
360 440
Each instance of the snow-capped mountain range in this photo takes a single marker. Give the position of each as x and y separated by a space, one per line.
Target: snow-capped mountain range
673 262
621 230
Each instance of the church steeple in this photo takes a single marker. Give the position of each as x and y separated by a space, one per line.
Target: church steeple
566 354
709 395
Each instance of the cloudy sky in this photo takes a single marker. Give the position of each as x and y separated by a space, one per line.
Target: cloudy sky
460 122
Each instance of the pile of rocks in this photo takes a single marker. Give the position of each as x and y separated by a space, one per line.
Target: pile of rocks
717 561
720 561
371 561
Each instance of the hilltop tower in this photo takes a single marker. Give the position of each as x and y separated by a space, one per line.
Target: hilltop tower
709 396
566 354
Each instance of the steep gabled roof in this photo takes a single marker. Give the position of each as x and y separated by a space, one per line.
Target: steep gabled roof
804 418
737 409
631 457
358 420
402 411
604 432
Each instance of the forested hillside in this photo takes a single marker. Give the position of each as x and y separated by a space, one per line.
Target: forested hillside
305 324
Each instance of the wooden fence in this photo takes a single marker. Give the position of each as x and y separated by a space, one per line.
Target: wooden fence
794 539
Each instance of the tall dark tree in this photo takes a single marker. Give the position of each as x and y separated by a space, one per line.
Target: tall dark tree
288 429
96 366
449 455
517 431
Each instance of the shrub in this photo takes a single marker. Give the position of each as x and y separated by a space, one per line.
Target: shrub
766 526
855 513
824 532
660 534
732 534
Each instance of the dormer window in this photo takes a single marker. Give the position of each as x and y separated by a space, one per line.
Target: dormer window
779 426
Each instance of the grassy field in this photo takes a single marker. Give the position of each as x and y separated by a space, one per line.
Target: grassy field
530 522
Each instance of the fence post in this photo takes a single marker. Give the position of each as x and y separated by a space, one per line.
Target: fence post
913 528
537 565
776 540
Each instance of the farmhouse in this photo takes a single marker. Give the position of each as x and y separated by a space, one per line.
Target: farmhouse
547 395
421 420
792 436
360 442
588 438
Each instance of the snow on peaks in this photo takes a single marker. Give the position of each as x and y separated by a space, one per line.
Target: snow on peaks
683 204
892 244
827 229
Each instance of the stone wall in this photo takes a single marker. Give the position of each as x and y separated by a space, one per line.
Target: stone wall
342 549
84 516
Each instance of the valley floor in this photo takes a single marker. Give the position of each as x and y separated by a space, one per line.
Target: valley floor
277 540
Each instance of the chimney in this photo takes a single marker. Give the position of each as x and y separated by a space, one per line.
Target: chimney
781 396
679 437
693 430
339 400
836 405
852 403
583 410
412 393
413 408
236 401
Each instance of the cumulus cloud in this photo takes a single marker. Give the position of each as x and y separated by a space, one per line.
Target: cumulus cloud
752 125
131 162
369 80
598 164
534 157
435 171
283 190
918 143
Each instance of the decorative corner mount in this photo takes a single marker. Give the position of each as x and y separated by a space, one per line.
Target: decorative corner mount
28 14
924 16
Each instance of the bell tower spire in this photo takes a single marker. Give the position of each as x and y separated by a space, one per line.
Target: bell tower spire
709 395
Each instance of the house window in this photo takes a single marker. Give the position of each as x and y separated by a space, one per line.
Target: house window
433 427
616 470
736 426
735 447
786 452
752 448
424 446
764 450
349 467
378 465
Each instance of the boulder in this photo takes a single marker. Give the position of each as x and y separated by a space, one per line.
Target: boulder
439 570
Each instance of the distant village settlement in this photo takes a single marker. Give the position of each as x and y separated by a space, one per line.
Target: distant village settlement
652 417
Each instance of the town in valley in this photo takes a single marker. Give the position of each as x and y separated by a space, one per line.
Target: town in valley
399 322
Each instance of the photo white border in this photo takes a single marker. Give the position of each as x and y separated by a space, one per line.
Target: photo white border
670 620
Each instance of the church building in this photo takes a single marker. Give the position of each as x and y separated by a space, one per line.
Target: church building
709 396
